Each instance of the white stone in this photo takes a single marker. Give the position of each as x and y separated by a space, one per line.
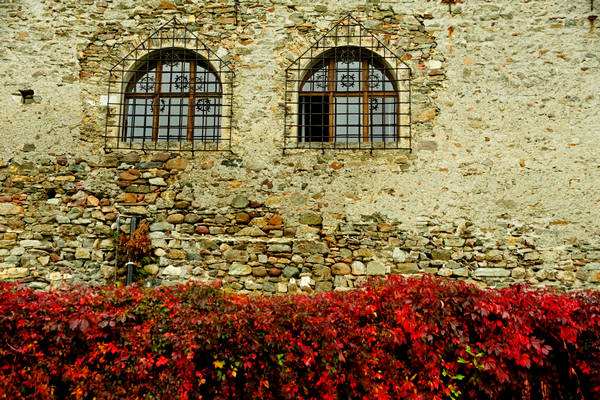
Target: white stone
172 271
306 282
31 243
435 64
158 182
358 268
399 255
282 287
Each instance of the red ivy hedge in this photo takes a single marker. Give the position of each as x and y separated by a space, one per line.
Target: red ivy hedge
413 338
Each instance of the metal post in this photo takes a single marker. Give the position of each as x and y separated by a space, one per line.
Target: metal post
130 266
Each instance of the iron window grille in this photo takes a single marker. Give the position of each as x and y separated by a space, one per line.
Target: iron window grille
348 91
170 93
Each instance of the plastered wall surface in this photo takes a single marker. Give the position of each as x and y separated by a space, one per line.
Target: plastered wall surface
502 177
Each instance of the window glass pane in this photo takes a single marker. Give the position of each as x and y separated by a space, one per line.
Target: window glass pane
348 76
207 119
139 120
173 118
314 117
382 119
175 77
348 119
145 83
317 81
206 81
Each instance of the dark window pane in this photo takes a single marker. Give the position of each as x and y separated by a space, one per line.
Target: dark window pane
314 117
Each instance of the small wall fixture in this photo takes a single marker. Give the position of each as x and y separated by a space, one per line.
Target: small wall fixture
27 95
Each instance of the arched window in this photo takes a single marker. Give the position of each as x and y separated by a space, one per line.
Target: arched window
348 96
172 95
348 91
170 92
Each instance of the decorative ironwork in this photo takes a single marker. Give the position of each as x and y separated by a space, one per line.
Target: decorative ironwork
203 105
163 106
373 81
348 56
146 84
373 104
321 81
171 93
348 91
348 80
171 58
181 82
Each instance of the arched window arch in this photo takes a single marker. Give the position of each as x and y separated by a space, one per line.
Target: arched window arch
349 95
172 95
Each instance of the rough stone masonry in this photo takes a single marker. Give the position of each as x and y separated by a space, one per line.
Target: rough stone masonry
501 185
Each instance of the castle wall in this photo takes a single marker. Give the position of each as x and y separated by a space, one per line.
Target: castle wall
500 187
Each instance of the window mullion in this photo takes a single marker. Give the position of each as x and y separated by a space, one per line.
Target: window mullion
331 88
365 100
156 105
190 122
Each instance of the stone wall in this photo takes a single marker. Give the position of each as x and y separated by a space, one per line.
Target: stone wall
501 185
60 220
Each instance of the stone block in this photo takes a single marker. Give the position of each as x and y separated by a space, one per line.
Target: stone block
236 255
82 254
518 273
399 255
279 248
237 269
321 273
454 242
161 226
406 268
290 271
175 218
364 252
358 268
311 218
323 286
171 270
10 209
157 182
441 254
176 163
376 268
240 201
340 269
259 271
310 247
491 272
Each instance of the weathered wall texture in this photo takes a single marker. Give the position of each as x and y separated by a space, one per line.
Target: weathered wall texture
501 185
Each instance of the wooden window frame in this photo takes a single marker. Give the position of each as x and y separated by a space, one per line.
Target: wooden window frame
156 61
364 93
